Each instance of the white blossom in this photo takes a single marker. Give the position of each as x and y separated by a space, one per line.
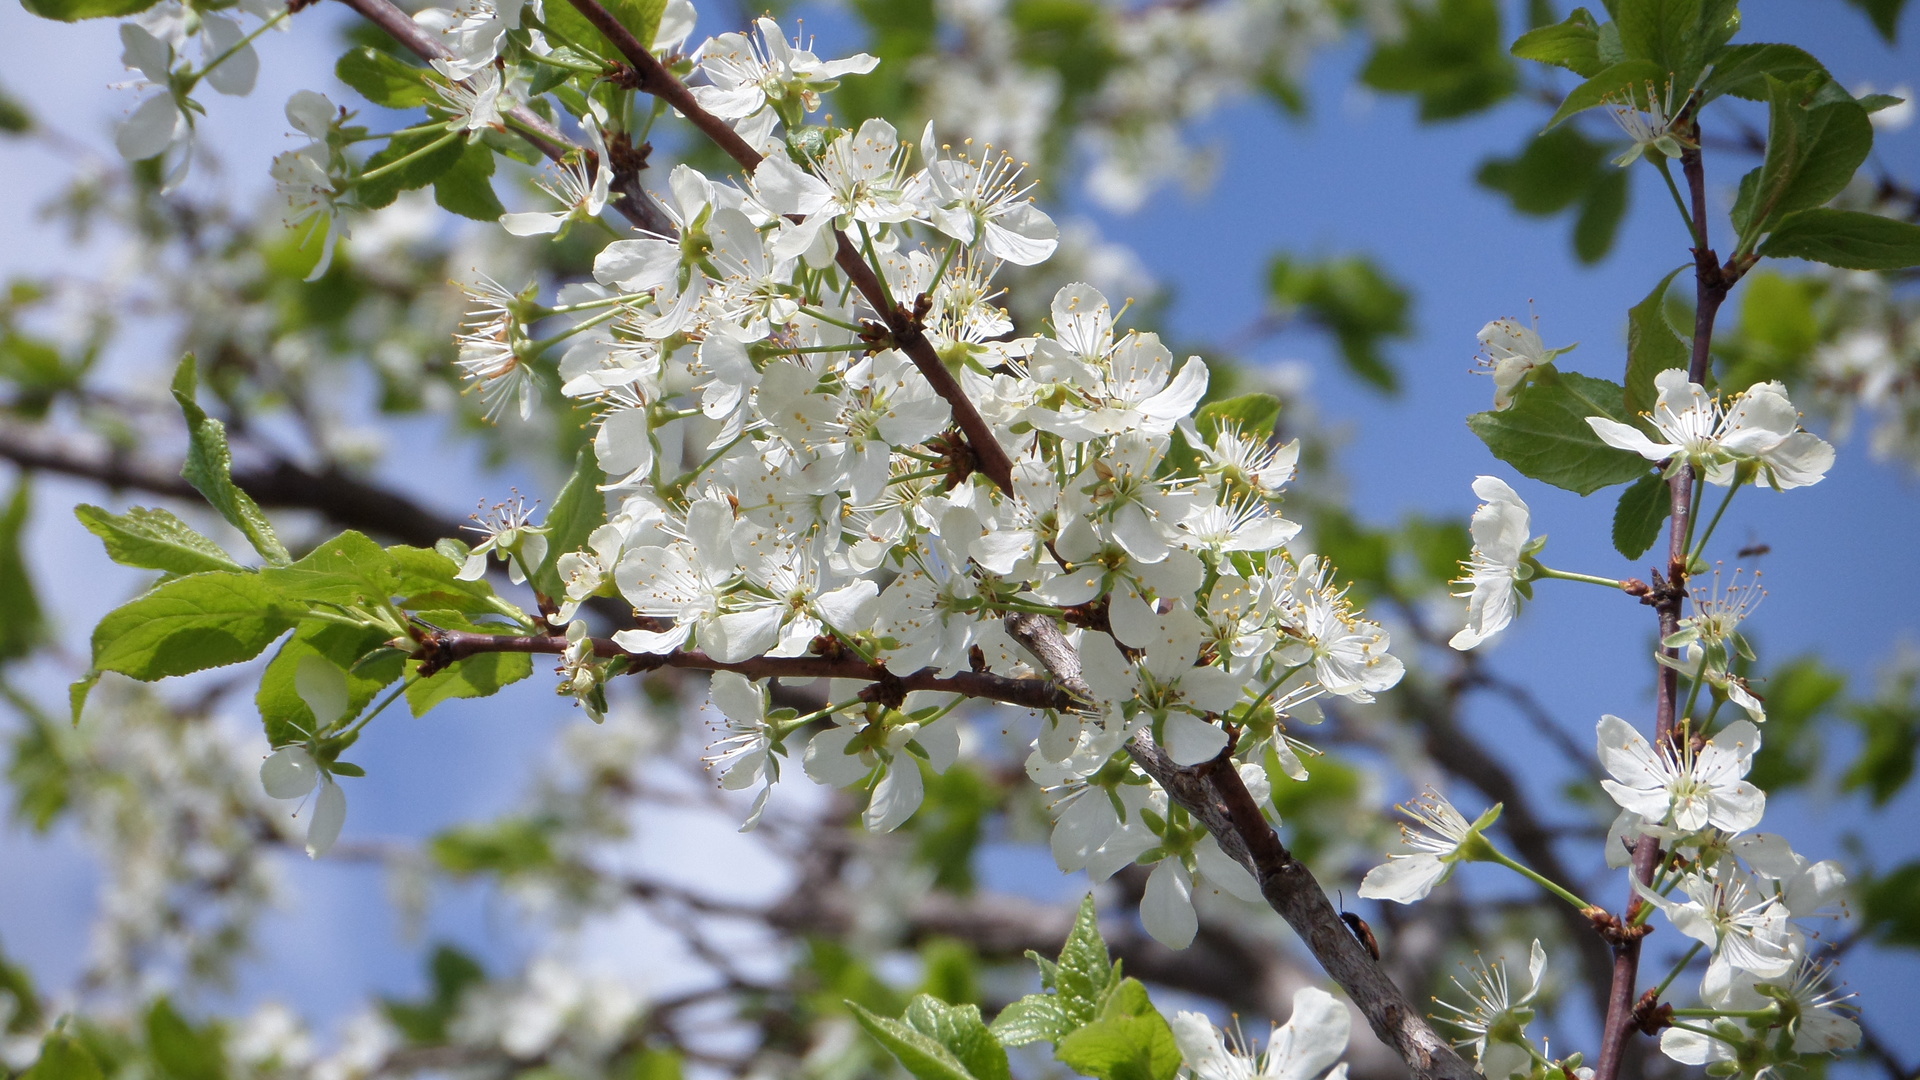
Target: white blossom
1758 427
1690 789
1501 530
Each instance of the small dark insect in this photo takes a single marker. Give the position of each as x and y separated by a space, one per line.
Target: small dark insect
1360 928
1754 551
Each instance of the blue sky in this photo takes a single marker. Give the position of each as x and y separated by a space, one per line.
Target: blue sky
1358 175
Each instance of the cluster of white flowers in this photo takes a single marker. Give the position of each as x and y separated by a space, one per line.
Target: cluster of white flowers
154 43
1756 432
793 485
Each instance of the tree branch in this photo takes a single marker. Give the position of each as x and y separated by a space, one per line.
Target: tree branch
344 499
634 204
1216 796
438 648
651 76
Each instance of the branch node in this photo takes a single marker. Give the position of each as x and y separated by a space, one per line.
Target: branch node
886 690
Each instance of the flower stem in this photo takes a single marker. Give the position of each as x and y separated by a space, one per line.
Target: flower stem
1661 990
1537 878
788 727
1715 523
1568 575
814 313
1678 201
539 345
395 165
1772 1012
229 52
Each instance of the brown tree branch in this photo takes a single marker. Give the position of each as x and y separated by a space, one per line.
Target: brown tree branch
634 203
1216 796
651 76
438 648
339 496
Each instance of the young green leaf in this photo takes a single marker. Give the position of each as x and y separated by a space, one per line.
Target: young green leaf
1129 1041
960 1029
153 539
1679 37
579 509
1848 239
1076 985
1885 15
1636 519
1601 212
1652 347
919 1053
1545 435
209 469
567 26
182 1051
191 624
482 675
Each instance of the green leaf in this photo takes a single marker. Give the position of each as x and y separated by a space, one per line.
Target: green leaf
1636 519
960 1029
347 570
78 691
1845 238
384 78
467 188
474 677
1652 347
181 1051
1885 15
1129 1041
1550 174
1077 983
22 624
1890 906
1452 56
40 772
1573 44
416 173
424 578
1626 78
154 540
359 651
1600 215
640 16
209 469
1545 434
1677 36
1254 415
579 509
1817 136
75 10
1890 726
191 624
62 1057
1352 297
919 1053
1741 70
424 1022
1801 695
512 847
